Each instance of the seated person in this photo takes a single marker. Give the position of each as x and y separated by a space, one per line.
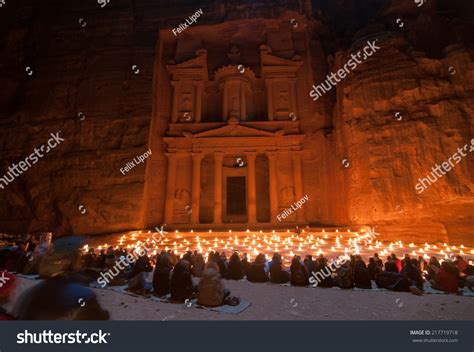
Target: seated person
325 269
361 275
235 268
299 276
181 285
278 275
211 287
446 278
373 269
345 277
257 272
198 265
391 265
161 276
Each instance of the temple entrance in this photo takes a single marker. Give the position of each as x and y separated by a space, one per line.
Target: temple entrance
236 199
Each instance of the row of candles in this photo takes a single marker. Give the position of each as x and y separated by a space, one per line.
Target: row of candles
330 244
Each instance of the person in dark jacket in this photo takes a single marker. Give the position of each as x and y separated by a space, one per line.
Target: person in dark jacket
345 276
278 275
390 265
247 264
218 260
161 276
323 267
393 281
361 275
373 269
235 268
299 276
411 270
309 264
378 261
257 271
181 286
198 265
64 295
189 257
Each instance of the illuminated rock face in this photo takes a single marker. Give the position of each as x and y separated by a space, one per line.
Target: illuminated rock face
224 107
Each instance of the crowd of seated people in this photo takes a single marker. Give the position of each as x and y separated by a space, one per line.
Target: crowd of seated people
174 275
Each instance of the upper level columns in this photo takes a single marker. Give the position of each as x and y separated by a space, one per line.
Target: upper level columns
273 185
170 188
196 188
298 179
218 157
251 188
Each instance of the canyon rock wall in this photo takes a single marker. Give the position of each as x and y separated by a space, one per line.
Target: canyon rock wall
93 79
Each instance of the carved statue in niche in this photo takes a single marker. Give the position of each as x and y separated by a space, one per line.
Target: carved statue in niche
287 196
182 202
186 107
235 107
283 102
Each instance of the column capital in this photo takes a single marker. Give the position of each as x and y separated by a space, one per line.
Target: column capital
252 154
272 153
296 154
197 155
218 155
170 155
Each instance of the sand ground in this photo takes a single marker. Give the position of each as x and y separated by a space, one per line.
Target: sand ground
275 302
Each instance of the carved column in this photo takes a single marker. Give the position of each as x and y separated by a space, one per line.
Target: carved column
243 108
293 104
198 103
298 175
174 114
273 184
251 188
270 99
196 188
218 157
225 103
170 188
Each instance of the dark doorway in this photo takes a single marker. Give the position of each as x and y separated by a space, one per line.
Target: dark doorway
236 200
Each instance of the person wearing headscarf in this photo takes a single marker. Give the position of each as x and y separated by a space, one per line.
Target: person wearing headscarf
211 287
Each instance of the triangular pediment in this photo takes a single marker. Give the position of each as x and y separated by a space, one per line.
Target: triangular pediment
235 130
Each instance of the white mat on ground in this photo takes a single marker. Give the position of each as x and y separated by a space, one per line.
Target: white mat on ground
29 277
226 309
462 292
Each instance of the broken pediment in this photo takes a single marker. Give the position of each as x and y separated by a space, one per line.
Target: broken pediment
233 129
